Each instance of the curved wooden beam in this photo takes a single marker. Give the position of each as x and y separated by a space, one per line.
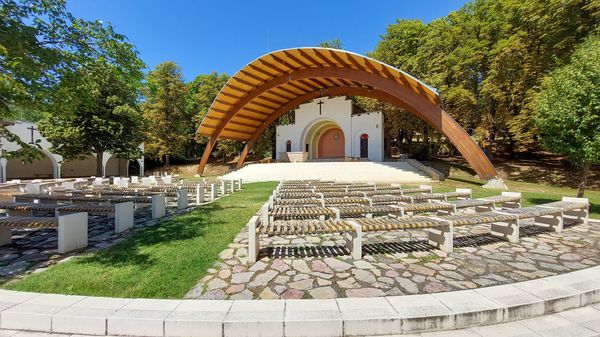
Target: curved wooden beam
388 88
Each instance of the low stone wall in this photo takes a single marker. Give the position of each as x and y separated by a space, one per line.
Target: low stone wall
430 171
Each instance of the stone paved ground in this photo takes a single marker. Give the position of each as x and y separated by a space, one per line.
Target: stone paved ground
35 249
395 263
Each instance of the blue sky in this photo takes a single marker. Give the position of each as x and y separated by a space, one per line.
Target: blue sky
223 36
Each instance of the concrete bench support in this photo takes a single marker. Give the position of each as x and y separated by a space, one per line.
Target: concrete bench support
232 182
213 191
253 240
508 230
158 206
223 189
5 236
512 204
199 194
354 241
182 199
552 221
580 216
442 237
123 216
72 232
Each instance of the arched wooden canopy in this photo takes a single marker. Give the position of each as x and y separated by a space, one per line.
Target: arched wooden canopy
278 82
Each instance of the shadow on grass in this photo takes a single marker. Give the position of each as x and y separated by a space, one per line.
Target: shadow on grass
184 227
474 240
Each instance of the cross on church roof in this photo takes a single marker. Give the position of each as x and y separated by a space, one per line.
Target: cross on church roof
320 105
32 128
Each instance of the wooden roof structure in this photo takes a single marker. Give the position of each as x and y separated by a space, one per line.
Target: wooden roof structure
278 82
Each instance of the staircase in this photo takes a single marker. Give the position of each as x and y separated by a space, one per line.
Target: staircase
396 172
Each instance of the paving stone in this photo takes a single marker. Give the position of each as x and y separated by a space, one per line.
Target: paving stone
320 267
226 254
337 265
300 277
258 266
235 288
363 264
323 282
292 294
435 287
244 295
415 268
301 285
407 285
263 279
216 294
364 292
323 292
348 283
301 266
268 294
224 274
279 265
216 283
242 277
363 275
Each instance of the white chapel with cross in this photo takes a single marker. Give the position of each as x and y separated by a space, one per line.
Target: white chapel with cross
331 129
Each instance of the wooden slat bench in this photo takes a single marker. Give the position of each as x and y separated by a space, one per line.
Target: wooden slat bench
123 213
72 229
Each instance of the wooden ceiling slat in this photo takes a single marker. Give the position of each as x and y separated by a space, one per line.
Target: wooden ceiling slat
296 86
223 102
338 59
291 92
255 77
321 84
354 61
236 88
308 57
230 95
272 66
237 122
277 94
295 59
268 99
246 83
324 58
370 65
249 117
256 111
283 62
262 105
309 82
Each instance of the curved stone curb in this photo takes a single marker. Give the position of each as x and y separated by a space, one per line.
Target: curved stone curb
327 317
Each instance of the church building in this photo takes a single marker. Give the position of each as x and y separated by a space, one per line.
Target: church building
331 129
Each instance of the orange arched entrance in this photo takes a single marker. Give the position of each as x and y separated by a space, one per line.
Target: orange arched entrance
331 144
268 87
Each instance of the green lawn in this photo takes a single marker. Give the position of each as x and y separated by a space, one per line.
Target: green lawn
164 261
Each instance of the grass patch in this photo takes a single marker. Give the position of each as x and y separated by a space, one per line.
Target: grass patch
164 261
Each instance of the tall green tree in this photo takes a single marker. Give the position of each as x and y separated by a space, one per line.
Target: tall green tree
165 110
568 109
202 91
95 110
333 44
40 44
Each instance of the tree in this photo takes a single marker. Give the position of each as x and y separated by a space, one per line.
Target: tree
333 44
95 110
165 110
202 91
40 44
568 109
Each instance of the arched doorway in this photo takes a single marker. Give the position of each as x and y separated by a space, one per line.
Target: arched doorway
331 143
79 167
41 168
133 168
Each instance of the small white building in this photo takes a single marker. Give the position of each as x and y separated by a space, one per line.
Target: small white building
331 128
52 165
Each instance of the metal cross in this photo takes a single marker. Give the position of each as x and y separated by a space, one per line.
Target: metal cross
320 105
32 128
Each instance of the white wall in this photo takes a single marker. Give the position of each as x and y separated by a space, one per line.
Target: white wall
339 111
18 169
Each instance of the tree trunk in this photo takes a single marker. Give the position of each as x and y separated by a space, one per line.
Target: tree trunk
99 159
582 184
167 160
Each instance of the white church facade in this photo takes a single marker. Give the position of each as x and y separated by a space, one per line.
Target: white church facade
52 165
331 129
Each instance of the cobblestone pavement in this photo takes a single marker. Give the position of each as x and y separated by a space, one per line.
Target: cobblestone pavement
395 263
36 249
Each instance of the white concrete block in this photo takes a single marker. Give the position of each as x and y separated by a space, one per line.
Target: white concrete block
368 316
72 232
213 191
253 240
519 303
422 313
255 318
88 321
33 188
182 199
159 204
199 194
137 322
558 297
17 297
314 318
124 214
29 317
197 318
465 302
